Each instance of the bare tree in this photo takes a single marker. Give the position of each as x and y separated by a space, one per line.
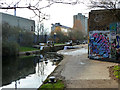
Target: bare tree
36 6
111 5
106 4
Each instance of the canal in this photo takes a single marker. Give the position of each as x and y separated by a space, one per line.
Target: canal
28 71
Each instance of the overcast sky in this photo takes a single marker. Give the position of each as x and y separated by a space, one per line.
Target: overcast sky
61 13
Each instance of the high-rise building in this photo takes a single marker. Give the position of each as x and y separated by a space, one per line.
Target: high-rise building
80 22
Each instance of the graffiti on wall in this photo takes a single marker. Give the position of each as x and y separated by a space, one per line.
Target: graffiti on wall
113 44
99 44
118 35
118 28
113 28
118 42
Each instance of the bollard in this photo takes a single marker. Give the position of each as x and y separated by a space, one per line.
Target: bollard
52 79
46 62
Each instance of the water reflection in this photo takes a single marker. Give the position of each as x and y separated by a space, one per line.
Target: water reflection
16 68
28 71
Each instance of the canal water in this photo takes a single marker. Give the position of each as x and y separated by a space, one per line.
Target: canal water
27 71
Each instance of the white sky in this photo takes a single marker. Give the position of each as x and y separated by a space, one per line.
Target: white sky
58 12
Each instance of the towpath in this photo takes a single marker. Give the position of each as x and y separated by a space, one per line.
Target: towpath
78 71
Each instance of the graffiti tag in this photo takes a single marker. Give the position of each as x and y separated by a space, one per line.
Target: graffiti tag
99 45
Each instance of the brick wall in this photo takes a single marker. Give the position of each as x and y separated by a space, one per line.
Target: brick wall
101 19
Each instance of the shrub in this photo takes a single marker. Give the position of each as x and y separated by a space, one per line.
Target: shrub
60 37
59 85
116 70
16 34
10 48
26 39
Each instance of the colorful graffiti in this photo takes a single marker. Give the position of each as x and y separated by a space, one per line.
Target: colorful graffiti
113 33
113 45
105 44
113 27
118 28
99 44
118 41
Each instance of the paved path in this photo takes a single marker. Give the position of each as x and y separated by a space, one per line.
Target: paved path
80 72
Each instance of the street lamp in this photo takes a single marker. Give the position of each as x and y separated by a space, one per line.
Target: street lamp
84 36
20 37
54 37
45 38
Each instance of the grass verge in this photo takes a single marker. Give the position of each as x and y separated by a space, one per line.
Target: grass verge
30 56
23 49
59 44
58 85
116 71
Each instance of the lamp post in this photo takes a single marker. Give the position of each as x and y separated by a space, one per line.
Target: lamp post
20 37
45 38
54 37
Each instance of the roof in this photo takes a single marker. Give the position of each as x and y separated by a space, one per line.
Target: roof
103 10
80 14
15 16
58 24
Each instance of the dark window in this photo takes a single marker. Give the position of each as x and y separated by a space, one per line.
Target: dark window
32 28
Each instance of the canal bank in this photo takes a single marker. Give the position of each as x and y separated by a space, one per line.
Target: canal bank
44 49
28 71
78 71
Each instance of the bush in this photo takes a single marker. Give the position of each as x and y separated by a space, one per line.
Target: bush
59 85
10 33
16 34
10 48
26 39
12 37
60 37
77 35
116 70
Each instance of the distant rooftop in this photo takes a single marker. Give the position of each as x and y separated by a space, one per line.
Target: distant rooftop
80 14
15 16
58 24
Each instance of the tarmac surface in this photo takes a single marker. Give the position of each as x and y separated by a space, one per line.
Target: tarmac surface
78 71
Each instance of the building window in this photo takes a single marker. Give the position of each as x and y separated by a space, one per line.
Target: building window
32 28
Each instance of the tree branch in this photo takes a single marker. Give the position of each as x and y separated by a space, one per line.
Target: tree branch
36 8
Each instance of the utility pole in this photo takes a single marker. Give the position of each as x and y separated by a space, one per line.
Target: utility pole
15 10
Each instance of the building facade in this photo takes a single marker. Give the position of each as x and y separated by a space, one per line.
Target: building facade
20 30
58 27
23 23
80 22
